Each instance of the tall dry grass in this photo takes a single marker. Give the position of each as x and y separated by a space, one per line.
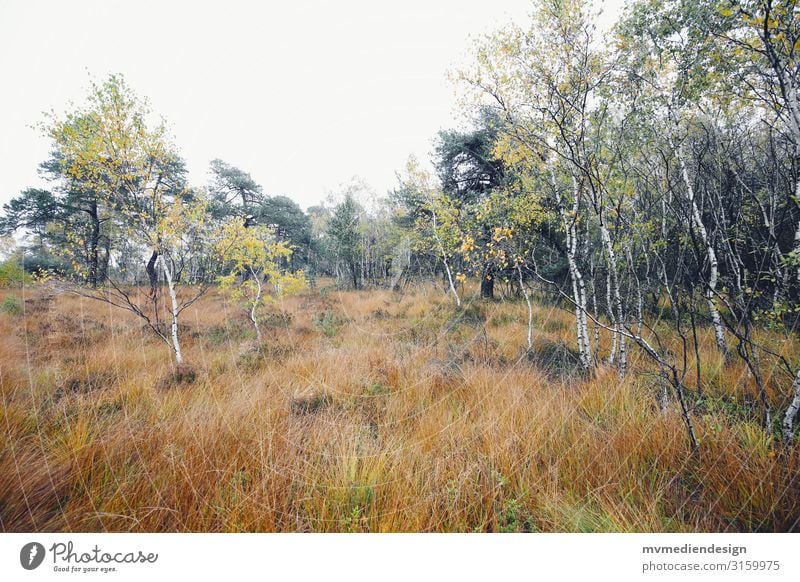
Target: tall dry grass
366 411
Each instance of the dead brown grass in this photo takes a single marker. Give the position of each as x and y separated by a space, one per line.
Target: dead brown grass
390 413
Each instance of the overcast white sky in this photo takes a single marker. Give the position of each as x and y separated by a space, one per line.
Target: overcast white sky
303 95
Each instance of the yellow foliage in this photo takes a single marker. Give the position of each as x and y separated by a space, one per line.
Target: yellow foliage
254 256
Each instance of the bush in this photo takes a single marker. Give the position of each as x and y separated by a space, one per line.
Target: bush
310 403
11 274
281 319
503 319
232 332
514 518
556 359
179 375
328 322
471 313
86 383
11 305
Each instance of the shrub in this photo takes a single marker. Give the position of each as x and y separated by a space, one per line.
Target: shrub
281 319
503 319
556 359
310 403
233 332
11 274
86 383
328 322
513 518
471 313
182 374
11 305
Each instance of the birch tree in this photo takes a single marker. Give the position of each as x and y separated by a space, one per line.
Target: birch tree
253 263
114 146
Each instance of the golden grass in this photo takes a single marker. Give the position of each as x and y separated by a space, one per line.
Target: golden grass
384 415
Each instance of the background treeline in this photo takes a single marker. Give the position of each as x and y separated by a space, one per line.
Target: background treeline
648 180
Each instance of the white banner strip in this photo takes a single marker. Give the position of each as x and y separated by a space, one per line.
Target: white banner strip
353 557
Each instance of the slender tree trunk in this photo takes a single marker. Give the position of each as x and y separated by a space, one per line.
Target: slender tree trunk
151 273
612 356
791 412
593 287
444 260
639 294
175 310
578 283
256 303
613 276
530 309
103 275
797 230
711 256
487 283
94 245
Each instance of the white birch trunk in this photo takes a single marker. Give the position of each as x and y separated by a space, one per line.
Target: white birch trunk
613 354
173 296
578 283
596 347
256 303
444 259
797 230
530 309
791 412
711 255
618 318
